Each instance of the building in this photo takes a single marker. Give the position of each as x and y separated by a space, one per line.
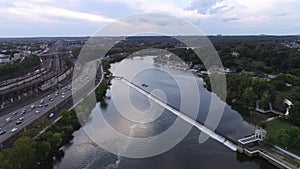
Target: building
4 59
260 134
235 54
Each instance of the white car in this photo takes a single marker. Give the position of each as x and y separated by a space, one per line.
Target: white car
8 119
14 129
51 115
32 106
37 111
63 96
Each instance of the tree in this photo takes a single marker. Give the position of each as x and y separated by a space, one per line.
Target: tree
259 86
294 116
55 141
42 150
249 96
283 138
22 155
4 162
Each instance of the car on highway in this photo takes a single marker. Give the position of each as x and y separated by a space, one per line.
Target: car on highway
15 113
51 115
21 118
40 106
32 106
37 111
42 101
19 122
14 129
8 119
23 111
63 96
51 99
46 105
2 132
56 94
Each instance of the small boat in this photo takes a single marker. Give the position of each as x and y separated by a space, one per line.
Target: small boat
144 85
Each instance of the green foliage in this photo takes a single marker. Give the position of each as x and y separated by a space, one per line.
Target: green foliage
289 137
260 85
42 150
15 69
101 90
281 133
26 152
105 65
22 155
249 96
294 116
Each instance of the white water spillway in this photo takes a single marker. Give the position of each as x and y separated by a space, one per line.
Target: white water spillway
191 121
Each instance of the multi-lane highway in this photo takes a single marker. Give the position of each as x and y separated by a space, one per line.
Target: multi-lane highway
8 122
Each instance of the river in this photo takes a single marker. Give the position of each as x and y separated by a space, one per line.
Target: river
82 152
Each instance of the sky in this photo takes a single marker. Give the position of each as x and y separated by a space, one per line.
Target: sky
19 18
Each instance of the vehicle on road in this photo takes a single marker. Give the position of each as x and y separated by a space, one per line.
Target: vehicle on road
63 96
46 105
15 113
2 132
32 106
18 122
51 115
40 106
37 111
14 129
21 118
8 119
23 111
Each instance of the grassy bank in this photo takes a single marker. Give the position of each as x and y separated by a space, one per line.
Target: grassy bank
283 134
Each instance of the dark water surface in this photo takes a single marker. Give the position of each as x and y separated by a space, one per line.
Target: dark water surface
188 154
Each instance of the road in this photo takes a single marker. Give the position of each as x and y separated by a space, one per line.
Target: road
31 114
52 64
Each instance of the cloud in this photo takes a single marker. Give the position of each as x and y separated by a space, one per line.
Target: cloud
230 19
47 13
212 16
202 6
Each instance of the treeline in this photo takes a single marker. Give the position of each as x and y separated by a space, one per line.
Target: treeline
289 137
28 153
243 90
259 54
18 68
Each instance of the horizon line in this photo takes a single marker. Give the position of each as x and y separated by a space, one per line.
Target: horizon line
82 36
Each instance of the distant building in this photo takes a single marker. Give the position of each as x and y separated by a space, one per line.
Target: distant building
260 134
4 59
270 77
25 53
17 56
235 54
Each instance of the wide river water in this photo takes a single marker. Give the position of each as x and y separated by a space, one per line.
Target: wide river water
82 152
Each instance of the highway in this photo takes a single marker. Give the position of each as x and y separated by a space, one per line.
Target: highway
50 102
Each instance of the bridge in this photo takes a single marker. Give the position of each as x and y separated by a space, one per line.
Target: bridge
228 143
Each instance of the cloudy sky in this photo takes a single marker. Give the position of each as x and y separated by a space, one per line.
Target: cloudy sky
86 17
